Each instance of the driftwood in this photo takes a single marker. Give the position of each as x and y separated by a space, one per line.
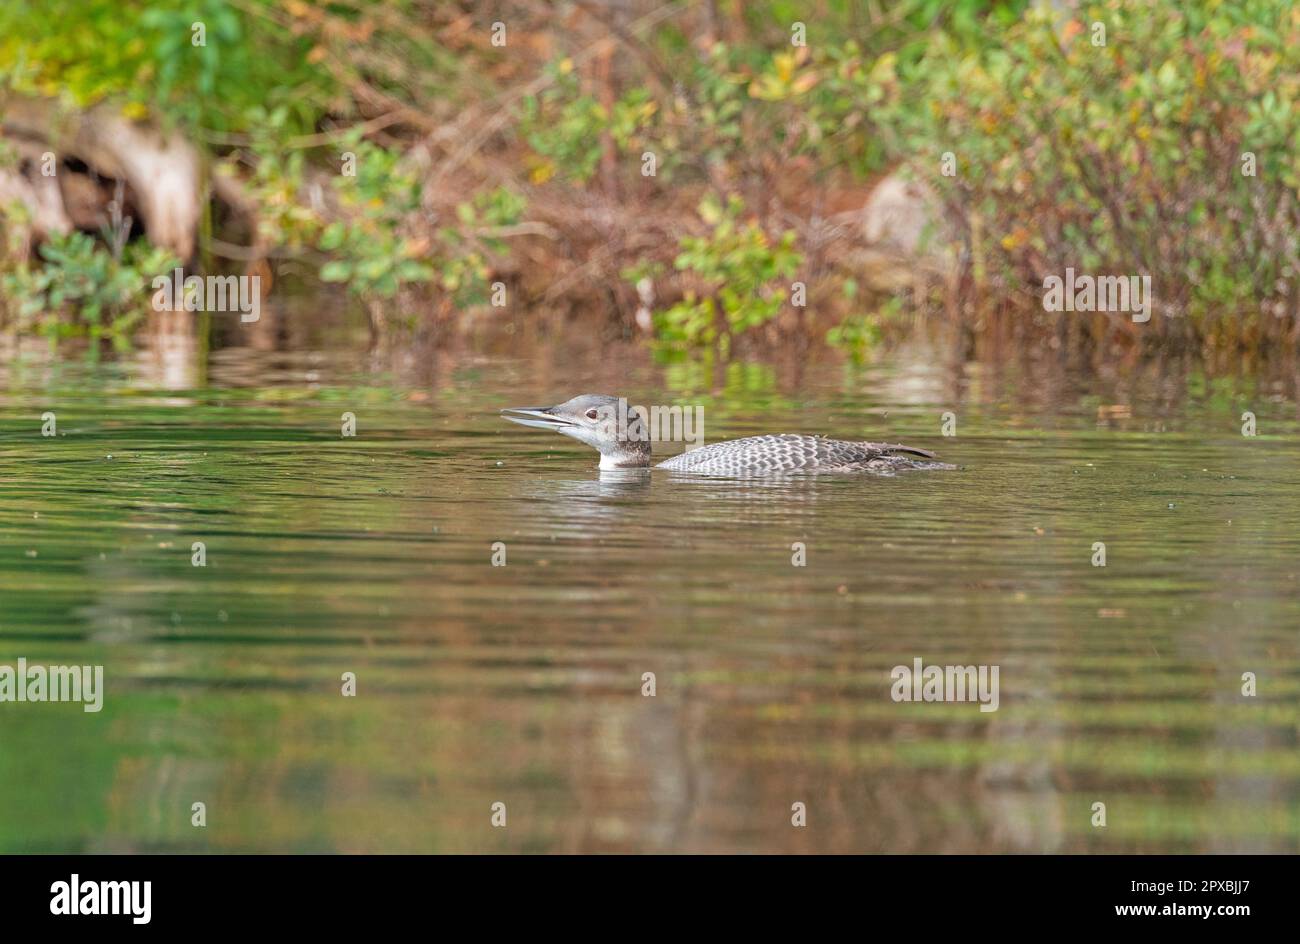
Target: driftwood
163 170
39 195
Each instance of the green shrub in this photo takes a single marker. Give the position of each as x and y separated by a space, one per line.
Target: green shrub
737 277
375 256
84 289
1123 158
142 55
563 126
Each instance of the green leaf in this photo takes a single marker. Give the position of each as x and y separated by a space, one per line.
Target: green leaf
335 271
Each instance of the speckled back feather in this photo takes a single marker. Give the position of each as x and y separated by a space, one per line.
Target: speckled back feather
765 455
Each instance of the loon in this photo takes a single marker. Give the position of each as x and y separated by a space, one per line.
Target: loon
591 418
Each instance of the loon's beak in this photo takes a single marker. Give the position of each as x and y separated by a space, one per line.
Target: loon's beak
537 417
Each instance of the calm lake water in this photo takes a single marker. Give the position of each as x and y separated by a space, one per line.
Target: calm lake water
522 684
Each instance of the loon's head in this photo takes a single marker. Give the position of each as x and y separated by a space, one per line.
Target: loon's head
605 423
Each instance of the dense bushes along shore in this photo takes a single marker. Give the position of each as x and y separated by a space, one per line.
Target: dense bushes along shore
694 172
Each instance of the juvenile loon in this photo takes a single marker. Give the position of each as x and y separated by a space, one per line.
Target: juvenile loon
593 419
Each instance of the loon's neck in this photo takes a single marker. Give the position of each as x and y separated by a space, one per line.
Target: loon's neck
629 454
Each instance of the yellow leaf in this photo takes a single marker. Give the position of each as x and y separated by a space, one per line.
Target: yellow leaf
784 63
136 111
883 70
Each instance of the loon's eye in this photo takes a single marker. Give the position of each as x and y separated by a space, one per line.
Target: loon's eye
592 414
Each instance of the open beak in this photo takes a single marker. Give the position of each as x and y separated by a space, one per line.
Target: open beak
537 417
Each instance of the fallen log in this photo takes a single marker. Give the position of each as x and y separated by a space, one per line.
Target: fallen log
163 170
41 199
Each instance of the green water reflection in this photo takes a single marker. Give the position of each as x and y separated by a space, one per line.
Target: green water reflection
522 684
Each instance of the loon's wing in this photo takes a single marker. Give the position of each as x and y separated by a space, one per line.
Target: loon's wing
764 455
753 455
